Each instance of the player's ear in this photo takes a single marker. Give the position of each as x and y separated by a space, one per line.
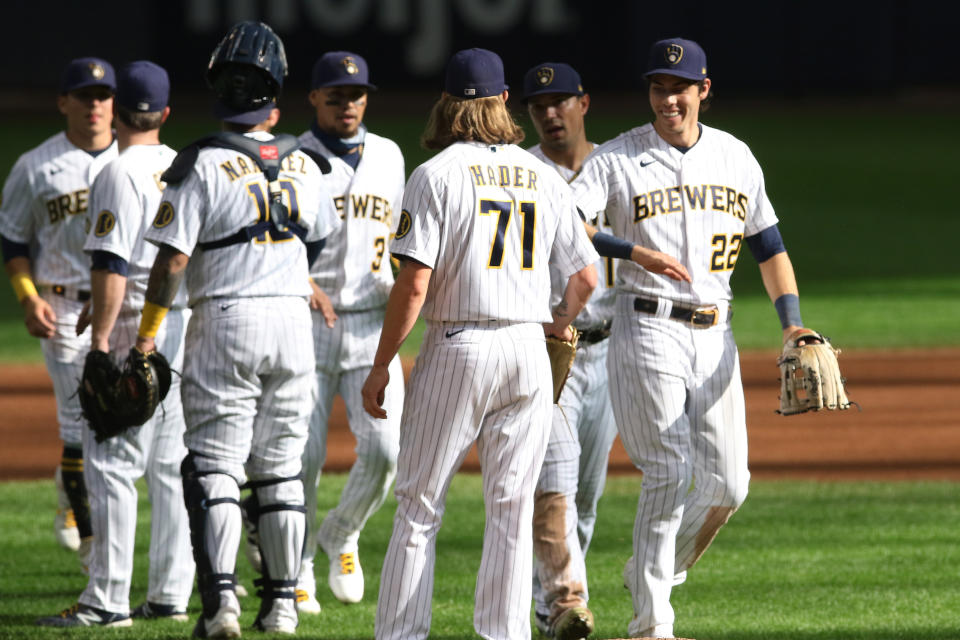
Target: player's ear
505 95
705 88
274 117
62 103
584 104
315 98
165 115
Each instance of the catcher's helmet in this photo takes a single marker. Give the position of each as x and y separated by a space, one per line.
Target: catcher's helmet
247 68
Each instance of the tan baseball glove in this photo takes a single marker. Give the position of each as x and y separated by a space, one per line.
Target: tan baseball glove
810 377
562 353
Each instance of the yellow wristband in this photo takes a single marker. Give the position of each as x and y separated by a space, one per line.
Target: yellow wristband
23 285
153 315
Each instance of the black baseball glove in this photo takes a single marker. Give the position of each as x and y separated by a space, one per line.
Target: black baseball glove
115 399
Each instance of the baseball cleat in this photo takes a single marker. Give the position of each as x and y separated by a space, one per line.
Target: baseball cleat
306 590
222 626
80 615
148 611
282 618
307 602
64 522
573 624
346 577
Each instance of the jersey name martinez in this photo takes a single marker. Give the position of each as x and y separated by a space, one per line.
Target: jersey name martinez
293 163
705 197
504 176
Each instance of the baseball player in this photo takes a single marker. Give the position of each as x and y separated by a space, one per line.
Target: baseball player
366 181
231 220
123 201
482 224
42 228
575 467
698 193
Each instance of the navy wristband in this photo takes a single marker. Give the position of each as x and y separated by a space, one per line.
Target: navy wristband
610 246
788 309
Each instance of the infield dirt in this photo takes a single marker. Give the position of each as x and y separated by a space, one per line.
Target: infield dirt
908 428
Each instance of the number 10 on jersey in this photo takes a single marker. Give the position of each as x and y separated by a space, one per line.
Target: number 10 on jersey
528 225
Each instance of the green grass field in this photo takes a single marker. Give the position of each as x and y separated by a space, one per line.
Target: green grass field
801 561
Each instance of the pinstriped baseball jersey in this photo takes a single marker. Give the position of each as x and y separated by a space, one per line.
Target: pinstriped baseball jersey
354 267
226 192
599 308
123 203
45 201
489 219
697 206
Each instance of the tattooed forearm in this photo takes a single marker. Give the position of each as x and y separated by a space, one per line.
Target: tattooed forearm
166 275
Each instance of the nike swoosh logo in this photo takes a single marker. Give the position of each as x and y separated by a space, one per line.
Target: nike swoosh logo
648 162
224 307
450 334
55 170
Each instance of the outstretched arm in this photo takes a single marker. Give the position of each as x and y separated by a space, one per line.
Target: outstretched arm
610 246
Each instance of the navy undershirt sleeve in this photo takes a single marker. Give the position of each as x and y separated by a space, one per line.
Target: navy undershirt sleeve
766 244
314 249
610 246
13 249
106 261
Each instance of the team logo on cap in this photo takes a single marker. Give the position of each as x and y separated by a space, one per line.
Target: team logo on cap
404 224
673 53
544 76
96 70
350 66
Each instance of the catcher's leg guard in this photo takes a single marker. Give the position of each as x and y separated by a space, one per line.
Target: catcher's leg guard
210 497
71 471
282 528
281 524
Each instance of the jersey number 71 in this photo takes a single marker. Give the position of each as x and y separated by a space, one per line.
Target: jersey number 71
528 222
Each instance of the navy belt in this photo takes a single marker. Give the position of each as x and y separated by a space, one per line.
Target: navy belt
698 316
70 293
596 334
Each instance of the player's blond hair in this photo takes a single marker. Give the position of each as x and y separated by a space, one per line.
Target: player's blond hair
484 120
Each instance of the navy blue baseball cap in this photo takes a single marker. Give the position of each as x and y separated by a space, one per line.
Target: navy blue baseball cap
677 57
87 72
143 86
551 77
475 73
341 68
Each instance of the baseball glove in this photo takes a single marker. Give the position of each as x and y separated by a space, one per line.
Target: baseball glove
810 377
114 399
561 353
